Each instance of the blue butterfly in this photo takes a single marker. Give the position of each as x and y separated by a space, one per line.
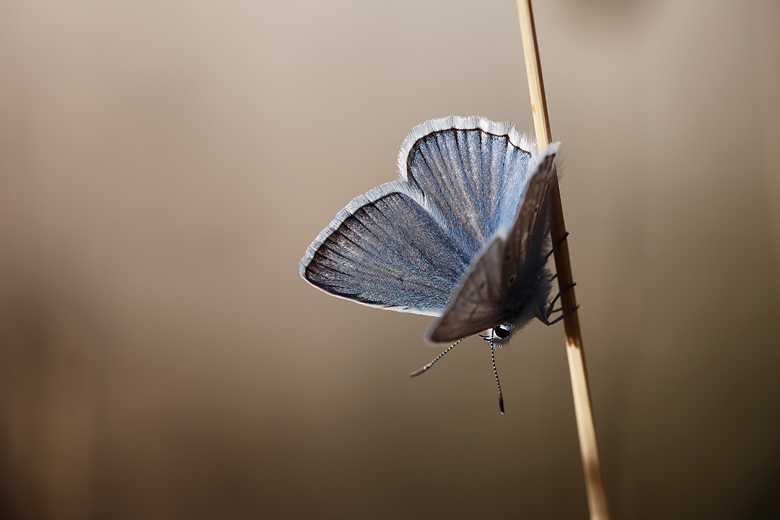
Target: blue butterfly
461 235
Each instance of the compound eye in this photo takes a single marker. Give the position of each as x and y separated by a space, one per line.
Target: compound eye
501 333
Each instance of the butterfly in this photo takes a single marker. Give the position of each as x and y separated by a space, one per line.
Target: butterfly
462 235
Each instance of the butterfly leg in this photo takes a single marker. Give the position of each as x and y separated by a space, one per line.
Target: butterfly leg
541 272
544 314
548 255
552 303
559 318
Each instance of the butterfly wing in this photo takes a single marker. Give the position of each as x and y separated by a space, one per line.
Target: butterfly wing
472 170
478 303
499 279
387 249
525 240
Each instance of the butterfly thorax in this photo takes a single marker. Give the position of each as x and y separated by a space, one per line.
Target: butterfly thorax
526 302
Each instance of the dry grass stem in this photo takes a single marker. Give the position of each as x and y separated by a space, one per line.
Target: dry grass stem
586 428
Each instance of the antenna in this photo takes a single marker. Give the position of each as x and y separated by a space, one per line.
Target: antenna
498 383
429 365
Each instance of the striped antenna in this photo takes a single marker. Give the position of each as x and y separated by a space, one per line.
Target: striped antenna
429 365
498 383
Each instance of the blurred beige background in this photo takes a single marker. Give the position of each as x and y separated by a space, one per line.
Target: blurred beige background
164 164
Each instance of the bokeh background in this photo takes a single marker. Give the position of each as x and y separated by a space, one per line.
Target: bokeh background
165 163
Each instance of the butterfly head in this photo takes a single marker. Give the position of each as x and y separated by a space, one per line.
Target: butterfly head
497 336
